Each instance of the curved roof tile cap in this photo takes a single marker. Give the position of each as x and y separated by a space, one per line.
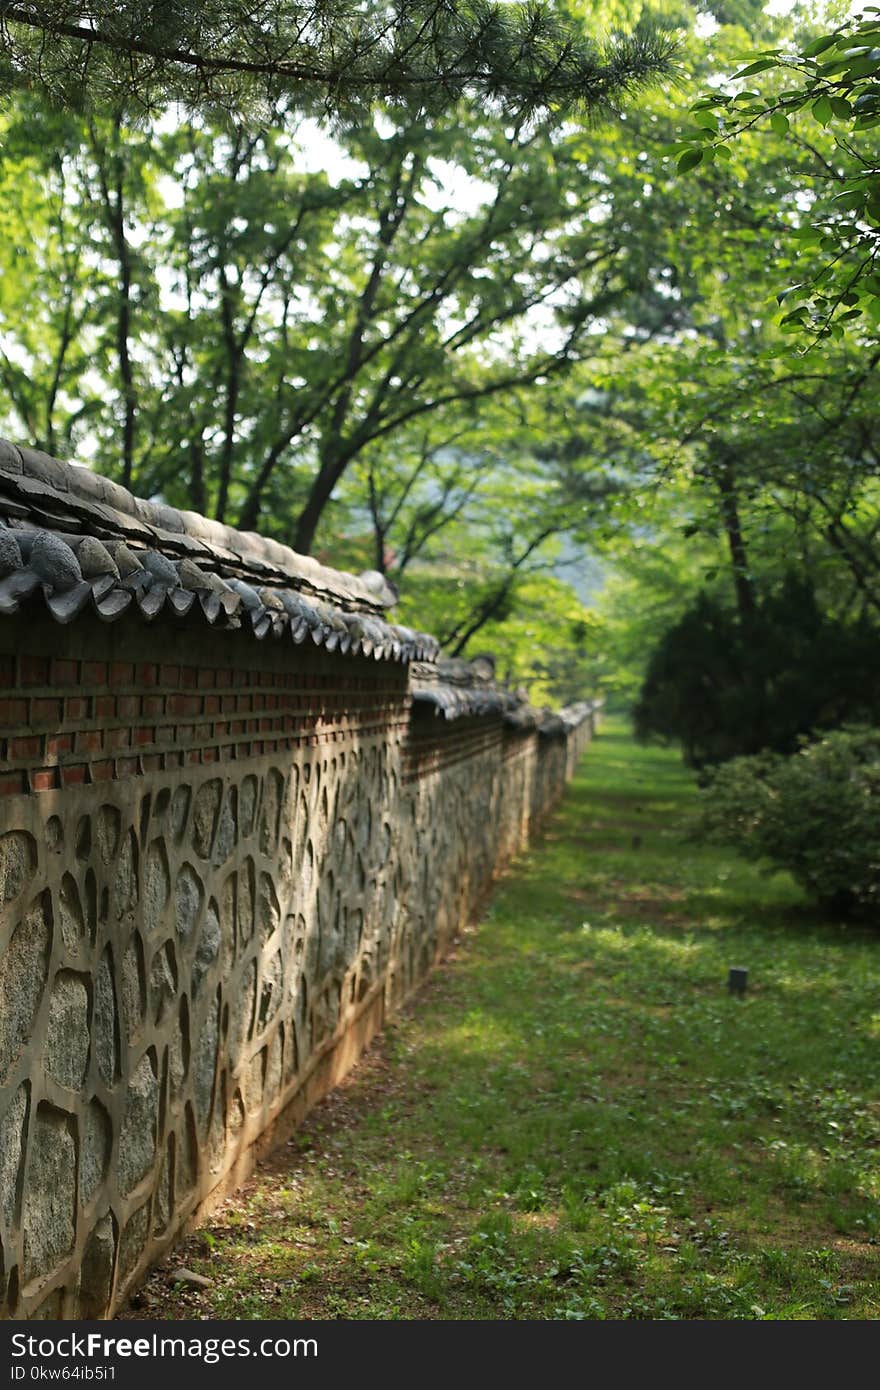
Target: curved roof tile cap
82 542
455 688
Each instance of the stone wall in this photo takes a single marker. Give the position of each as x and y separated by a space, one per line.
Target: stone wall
221 863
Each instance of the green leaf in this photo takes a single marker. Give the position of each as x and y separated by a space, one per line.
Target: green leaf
689 160
779 122
849 200
819 45
760 66
822 110
862 67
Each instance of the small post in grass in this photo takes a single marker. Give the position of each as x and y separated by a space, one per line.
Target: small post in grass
737 979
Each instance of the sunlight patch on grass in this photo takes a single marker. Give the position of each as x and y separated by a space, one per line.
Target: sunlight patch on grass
576 1119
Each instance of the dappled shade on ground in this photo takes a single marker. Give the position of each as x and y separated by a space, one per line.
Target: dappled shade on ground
575 1119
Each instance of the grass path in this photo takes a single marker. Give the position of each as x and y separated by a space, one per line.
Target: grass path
576 1120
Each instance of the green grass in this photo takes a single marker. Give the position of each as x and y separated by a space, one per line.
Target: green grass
576 1120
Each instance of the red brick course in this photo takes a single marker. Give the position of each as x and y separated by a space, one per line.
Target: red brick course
67 722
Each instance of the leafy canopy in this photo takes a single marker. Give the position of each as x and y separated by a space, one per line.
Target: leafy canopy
826 83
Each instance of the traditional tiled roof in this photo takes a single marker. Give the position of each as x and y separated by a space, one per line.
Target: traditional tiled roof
454 689
81 543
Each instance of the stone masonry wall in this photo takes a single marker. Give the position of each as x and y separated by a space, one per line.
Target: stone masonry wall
221 863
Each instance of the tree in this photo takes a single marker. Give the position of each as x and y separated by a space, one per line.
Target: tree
830 82
238 56
262 327
467 523
746 457
725 684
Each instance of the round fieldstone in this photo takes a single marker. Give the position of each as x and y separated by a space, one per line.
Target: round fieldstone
133 987
95 1152
270 909
83 839
49 1195
227 829
206 1063
242 1010
178 1051
236 1116
50 1309
187 1167
273 790
246 895
248 804
12 1132
163 981
253 1082
205 809
217 1132
157 885
188 895
132 1244
208 948
70 913
179 812
137 1137
96 1272
104 1021
272 1084
67 1035
18 863
24 968
125 887
271 989
162 1206
108 824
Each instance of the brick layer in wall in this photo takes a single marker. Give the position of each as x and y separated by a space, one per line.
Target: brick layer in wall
67 722
216 879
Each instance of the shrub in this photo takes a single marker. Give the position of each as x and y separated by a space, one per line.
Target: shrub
816 813
724 685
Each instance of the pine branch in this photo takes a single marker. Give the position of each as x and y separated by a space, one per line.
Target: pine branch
326 54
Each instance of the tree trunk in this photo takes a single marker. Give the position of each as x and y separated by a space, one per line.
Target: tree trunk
725 477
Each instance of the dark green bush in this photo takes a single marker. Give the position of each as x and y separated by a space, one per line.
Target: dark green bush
816 813
724 685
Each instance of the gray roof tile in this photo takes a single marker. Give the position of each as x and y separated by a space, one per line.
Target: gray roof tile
81 542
